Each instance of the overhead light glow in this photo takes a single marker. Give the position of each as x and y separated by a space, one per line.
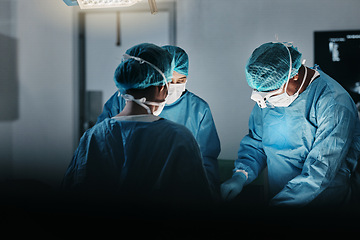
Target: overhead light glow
86 4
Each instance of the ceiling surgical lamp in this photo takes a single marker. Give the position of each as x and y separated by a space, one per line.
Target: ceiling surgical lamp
91 4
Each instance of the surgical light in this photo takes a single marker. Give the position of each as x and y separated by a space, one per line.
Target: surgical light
88 4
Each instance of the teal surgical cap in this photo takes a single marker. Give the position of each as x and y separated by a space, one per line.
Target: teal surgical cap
135 74
180 58
268 67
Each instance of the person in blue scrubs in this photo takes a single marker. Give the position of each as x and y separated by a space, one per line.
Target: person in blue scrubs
185 108
136 154
304 128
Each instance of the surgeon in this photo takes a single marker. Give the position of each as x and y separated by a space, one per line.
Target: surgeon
185 108
304 128
136 154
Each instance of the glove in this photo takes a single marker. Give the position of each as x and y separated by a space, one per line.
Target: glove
232 187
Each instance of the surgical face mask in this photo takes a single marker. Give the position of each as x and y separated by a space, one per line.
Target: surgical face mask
261 98
175 92
284 100
160 108
143 103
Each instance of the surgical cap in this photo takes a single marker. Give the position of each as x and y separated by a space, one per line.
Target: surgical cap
180 58
268 67
132 74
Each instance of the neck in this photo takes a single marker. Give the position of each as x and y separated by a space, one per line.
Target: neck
294 85
310 74
132 108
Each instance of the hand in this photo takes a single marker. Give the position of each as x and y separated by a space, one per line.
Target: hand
232 187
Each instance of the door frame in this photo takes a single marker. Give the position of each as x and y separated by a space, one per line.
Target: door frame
79 68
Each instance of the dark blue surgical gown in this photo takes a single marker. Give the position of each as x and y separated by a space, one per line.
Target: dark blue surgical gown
192 112
157 160
311 148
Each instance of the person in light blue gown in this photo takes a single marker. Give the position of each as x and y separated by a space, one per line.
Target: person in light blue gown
136 154
185 108
304 128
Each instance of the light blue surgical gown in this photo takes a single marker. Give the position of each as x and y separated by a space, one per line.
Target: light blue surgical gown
311 148
192 112
157 160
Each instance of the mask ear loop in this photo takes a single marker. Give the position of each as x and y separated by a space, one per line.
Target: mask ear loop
141 101
290 67
303 81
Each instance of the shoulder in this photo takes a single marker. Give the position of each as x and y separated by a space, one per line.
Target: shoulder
102 127
330 95
329 90
195 98
114 99
175 130
198 106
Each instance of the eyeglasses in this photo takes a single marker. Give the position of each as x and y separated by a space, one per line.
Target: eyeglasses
261 98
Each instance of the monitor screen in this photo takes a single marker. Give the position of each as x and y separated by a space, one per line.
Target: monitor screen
338 54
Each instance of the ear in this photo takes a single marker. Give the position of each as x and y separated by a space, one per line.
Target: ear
163 87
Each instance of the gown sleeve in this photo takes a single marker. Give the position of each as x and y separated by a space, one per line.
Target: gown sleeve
251 156
209 143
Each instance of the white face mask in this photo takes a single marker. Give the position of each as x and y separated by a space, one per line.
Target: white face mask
159 109
142 102
175 92
284 100
261 97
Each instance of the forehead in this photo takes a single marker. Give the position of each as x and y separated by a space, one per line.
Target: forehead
178 75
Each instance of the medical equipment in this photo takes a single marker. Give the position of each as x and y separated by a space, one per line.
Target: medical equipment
91 4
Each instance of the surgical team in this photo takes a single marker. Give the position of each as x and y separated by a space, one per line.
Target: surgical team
157 141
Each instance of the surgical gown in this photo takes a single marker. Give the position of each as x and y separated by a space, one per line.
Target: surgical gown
157 160
311 148
194 113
